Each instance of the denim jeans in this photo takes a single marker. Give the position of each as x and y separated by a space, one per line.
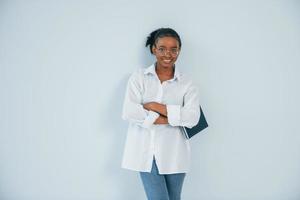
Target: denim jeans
162 186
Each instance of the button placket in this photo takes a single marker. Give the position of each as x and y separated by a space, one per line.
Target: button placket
159 93
159 100
152 142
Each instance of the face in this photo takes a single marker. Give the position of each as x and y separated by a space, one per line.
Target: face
166 51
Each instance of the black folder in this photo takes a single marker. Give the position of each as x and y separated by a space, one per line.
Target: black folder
202 124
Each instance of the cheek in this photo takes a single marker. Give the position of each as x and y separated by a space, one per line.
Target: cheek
158 57
174 59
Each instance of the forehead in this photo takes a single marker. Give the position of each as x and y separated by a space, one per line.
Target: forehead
167 42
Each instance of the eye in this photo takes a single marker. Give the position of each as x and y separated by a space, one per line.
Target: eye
174 50
161 49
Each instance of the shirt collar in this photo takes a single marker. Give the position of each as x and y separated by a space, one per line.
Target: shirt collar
151 70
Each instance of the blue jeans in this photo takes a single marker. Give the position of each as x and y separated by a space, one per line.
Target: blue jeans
162 186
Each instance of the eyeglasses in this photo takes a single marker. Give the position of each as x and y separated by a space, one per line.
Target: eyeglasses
163 51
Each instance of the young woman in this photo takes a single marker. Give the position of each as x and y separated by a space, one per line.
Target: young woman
159 99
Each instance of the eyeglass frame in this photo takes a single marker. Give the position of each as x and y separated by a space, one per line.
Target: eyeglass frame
166 50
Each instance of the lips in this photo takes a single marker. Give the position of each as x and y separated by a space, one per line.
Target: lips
167 61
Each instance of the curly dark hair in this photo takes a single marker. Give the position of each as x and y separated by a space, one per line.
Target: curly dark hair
160 33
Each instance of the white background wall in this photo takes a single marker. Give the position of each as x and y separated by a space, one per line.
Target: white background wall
63 71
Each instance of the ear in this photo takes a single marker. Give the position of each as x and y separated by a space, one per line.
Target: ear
153 49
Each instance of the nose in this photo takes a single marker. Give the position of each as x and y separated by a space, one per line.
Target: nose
168 54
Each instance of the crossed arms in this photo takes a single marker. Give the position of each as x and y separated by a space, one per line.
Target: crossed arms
159 108
147 114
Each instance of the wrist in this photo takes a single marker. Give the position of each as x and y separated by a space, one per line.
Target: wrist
153 106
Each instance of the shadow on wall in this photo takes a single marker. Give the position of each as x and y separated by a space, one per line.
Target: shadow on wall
116 138
117 175
118 131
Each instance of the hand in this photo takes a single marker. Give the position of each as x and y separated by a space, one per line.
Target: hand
161 120
156 107
150 105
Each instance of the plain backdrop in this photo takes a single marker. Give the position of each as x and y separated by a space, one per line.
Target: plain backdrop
64 66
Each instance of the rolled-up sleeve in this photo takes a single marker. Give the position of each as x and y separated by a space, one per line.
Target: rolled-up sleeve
133 109
187 115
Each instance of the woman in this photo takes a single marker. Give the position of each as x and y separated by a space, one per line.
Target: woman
159 99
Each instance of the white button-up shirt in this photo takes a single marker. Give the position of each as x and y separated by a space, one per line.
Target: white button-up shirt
165 142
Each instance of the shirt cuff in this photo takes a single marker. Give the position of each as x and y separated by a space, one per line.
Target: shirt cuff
173 114
150 119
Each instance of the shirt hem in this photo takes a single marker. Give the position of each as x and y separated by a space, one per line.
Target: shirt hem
160 172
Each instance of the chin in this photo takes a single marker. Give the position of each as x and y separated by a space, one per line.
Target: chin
167 65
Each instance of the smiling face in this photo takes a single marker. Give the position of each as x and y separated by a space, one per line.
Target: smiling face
166 51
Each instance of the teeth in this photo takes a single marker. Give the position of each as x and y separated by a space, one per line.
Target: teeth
167 60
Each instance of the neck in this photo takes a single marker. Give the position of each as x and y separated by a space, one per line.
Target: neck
164 70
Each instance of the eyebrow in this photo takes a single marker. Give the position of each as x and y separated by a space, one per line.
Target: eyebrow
171 47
